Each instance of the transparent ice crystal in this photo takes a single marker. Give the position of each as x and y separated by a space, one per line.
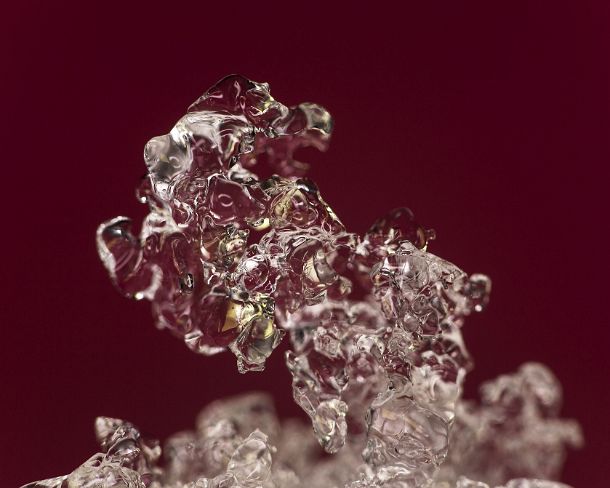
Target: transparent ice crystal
232 261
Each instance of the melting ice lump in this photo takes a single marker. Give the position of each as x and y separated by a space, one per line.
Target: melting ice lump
233 261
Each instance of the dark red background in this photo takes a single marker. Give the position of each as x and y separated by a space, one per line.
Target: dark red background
490 120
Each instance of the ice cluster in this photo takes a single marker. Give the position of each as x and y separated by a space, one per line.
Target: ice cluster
233 261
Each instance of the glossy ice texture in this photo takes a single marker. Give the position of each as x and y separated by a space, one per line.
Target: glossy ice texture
233 261
240 443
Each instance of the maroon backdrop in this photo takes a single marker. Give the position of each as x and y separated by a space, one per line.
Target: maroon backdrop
491 121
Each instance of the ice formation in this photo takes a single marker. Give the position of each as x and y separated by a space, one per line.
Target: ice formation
232 261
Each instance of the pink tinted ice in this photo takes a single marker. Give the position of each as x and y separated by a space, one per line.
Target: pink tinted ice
232 261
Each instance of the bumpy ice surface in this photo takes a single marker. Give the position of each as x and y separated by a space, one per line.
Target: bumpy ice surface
232 261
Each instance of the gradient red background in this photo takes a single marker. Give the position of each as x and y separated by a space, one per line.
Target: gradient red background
490 120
